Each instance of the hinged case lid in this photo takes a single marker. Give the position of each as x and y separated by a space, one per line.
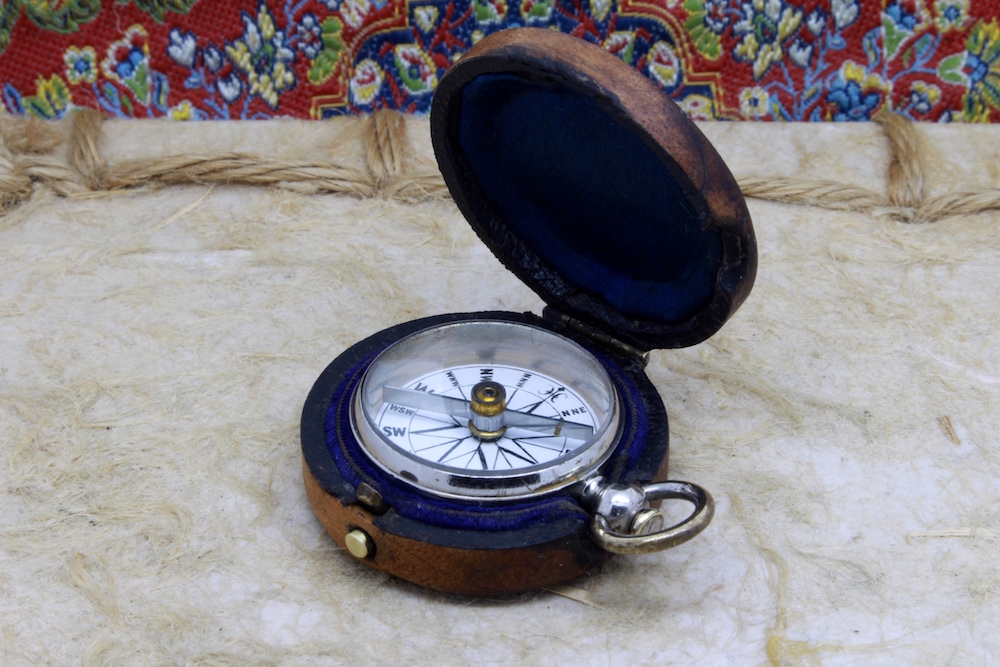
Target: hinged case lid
594 188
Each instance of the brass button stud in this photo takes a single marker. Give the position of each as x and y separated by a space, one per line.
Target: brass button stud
360 544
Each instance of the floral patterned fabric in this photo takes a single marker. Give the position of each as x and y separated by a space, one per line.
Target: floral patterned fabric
809 60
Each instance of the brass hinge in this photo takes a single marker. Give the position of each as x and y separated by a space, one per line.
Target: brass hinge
596 334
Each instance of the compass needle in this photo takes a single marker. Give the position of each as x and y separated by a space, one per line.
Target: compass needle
421 400
456 407
430 431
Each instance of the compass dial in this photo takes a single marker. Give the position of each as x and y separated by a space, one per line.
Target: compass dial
448 440
487 409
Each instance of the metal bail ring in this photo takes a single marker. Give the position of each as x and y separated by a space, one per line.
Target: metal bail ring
704 509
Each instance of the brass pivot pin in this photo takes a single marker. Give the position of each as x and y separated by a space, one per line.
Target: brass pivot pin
488 402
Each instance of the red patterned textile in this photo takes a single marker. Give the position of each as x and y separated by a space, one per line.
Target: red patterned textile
931 60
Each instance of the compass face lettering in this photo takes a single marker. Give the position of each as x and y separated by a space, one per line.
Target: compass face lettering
448 440
549 412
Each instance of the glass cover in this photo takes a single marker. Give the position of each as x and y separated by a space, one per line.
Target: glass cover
558 414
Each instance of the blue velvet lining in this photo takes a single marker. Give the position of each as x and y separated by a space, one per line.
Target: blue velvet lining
588 197
355 467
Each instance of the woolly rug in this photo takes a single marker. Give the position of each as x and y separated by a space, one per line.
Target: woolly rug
159 341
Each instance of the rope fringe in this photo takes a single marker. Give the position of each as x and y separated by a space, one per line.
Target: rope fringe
905 173
31 156
386 143
84 155
15 185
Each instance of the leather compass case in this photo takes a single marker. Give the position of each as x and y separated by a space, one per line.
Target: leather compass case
596 191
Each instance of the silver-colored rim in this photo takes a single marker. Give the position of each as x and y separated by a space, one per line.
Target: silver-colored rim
458 483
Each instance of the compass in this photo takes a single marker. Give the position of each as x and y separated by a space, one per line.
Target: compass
486 453
487 409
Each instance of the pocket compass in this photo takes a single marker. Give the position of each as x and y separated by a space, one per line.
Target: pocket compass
491 452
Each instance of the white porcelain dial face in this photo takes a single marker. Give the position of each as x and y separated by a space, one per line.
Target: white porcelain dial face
447 440
486 409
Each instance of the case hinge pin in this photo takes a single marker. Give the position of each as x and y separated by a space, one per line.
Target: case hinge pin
596 334
371 499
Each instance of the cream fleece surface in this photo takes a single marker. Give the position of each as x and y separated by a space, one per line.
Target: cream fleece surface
158 345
